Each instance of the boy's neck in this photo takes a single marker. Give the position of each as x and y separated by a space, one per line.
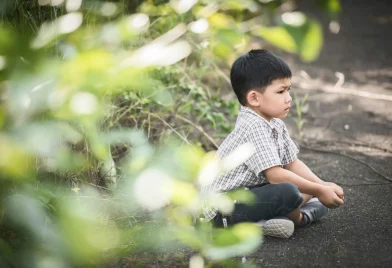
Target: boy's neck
268 119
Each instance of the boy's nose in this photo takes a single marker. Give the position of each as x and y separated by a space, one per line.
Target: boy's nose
288 98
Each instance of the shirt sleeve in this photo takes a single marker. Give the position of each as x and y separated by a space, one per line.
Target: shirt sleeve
266 154
290 149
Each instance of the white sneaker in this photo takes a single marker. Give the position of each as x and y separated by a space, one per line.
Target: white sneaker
277 227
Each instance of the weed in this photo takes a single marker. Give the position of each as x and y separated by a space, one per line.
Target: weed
300 105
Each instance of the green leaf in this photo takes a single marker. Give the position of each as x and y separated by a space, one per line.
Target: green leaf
305 39
278 36
312 42
6 40
242 196
211 120
332 7
221 50
238 5
163 98
241 239
227 39
220 20
229 36
219 117
304 99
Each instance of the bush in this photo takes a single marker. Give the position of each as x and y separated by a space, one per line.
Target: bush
107 111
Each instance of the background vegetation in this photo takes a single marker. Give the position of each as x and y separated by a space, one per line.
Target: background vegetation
108 112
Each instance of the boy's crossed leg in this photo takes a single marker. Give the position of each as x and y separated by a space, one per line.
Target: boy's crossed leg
310 210
296 216
273 203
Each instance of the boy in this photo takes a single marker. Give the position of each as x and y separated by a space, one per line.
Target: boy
287 192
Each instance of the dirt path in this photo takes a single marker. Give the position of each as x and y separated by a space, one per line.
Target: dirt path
360 233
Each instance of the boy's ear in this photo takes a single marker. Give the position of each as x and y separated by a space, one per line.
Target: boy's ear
252 98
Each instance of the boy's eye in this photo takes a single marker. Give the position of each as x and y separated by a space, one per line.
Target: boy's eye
281 92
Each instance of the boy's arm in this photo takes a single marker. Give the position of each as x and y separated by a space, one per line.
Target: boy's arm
301 169
327 195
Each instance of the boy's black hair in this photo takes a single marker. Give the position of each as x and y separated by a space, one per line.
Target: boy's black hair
256 70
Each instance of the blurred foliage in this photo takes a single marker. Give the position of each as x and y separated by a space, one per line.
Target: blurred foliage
106 112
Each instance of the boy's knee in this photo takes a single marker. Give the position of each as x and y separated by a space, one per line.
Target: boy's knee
292 195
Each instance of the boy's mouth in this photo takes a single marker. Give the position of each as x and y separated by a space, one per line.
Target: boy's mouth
288 108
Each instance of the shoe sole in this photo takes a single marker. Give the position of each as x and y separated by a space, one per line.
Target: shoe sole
278 228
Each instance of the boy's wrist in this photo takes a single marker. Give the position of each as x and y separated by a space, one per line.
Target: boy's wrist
319 189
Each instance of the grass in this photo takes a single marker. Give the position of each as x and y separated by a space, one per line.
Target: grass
299 108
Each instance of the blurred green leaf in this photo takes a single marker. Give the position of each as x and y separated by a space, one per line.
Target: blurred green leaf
189 237
333 7
85 236
241 239
305 39
229 36
16 163
226 39
242 196
220 20
309 40
183 193
66 160
278 36
211 119
163 97
7 38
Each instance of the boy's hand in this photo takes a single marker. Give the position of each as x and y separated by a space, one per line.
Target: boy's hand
329 196
338 190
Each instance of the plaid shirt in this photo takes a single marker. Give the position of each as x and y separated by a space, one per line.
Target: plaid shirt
273 147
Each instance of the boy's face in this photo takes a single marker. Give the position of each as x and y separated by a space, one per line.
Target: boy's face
275 102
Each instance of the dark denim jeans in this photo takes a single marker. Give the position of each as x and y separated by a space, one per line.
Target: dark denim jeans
272 200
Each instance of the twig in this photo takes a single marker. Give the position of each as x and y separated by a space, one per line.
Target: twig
175 131
356 92
222 74
149 126
96 185
348 156
199 128
339 89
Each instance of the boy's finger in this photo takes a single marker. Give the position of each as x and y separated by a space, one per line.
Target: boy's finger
338 191
340 201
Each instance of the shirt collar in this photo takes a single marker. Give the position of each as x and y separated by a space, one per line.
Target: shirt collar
272 124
